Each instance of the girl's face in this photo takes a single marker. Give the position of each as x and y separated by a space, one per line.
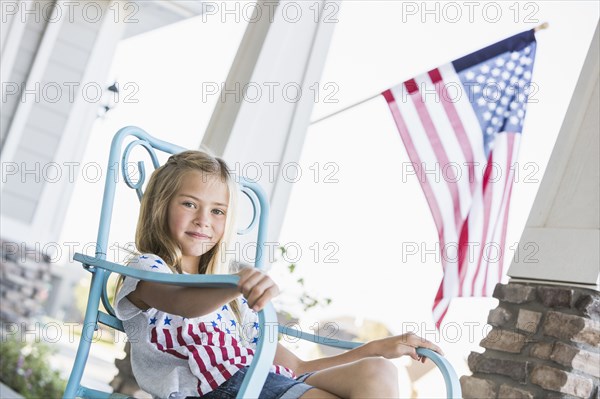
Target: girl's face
196 216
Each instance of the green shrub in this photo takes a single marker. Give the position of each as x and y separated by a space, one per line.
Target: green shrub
24 368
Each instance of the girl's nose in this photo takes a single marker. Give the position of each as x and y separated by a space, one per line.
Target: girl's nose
201 219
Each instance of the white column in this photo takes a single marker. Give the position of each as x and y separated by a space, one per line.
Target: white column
561 240
273 77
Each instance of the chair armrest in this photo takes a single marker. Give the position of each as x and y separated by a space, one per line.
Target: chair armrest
453 389
336 343
188 280
267 343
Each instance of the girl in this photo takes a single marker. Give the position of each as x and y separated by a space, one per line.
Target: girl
200 341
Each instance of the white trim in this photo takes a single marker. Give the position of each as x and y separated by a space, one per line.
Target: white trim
37 71
13 229
570 255
561 283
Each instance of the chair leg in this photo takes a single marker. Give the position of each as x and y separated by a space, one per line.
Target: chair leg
89 326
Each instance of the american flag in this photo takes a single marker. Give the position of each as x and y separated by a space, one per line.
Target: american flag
461 125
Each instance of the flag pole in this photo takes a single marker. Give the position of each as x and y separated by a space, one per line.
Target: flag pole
542 26
344 109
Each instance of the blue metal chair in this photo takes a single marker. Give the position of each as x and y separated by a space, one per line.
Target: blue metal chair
101 269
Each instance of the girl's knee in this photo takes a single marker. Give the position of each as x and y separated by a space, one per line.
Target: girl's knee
377 368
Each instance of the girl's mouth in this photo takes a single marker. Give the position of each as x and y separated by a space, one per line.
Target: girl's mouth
200 236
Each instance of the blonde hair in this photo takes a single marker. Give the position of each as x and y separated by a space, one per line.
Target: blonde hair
152 233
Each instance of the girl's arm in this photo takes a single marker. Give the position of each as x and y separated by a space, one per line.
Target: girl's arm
189 302
390 347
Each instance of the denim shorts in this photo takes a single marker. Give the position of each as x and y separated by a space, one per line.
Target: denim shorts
276 387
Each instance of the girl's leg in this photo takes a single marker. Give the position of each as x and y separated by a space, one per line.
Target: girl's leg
366 378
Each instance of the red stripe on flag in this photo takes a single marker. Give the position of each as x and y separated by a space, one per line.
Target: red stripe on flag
411 86
457 125
435 76
463 251
440 153
441 318
487 202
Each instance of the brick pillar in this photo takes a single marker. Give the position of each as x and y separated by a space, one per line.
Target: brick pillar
544 343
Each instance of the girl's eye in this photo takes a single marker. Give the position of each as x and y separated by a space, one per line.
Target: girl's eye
188 204
218 212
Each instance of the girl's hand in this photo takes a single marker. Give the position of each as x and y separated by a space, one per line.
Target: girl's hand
405 344
256 287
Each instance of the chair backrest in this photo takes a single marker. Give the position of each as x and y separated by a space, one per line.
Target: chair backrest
121 168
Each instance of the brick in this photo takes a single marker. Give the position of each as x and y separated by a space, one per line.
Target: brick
517 370
553 379
576 358
589 305
477 388
570 327
499 317
555 297
514 293
541 350
510 392
504 340
528 320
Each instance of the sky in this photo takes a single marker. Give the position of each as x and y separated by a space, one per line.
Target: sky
351 220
